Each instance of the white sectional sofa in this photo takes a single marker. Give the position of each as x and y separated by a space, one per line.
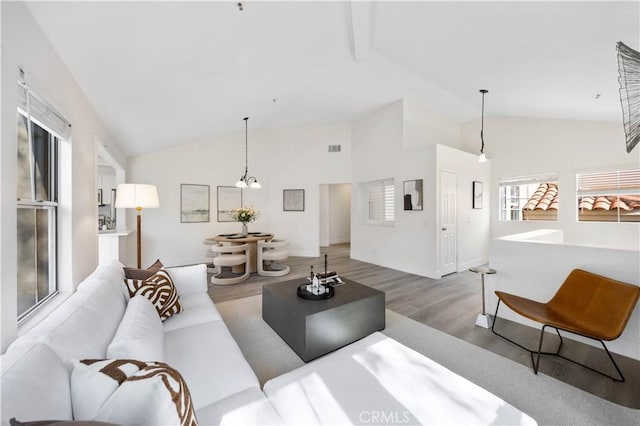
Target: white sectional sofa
36 368
371 381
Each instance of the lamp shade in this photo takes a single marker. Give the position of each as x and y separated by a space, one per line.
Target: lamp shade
134 195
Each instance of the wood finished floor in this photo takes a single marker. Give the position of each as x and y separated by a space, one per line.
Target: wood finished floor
451 305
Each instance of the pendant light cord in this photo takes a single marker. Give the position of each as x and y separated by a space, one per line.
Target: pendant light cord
483 91
247 181
246 147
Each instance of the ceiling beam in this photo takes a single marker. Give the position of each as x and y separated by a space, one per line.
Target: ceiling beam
361 17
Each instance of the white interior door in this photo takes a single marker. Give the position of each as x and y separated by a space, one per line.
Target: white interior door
448 222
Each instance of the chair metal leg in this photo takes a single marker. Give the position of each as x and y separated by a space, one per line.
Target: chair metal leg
536 362
614 364
621 379
495 317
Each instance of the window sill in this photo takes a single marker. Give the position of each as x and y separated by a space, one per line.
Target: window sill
528 221
42 312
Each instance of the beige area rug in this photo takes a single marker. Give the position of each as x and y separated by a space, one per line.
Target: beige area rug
547 400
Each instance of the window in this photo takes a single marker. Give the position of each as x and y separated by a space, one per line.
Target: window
609 196
37 203
380 202
529 198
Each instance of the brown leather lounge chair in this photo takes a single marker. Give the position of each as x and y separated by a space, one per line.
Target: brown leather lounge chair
587 304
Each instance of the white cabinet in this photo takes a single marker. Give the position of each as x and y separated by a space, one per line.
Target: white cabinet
111 245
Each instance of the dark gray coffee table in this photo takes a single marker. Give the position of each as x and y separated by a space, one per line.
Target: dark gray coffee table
313 328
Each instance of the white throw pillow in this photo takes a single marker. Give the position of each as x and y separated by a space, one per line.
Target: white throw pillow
140 334
90 390
130 392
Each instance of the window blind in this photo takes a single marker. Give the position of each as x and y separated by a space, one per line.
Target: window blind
613 182
389 196
37 107
381 202
526 180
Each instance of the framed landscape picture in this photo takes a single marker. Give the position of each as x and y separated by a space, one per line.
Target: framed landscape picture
293 200
194 203
229 198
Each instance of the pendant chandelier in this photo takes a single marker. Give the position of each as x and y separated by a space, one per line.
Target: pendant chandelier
482 158
247 181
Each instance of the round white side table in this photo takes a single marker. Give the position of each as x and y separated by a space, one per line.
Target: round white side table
483 320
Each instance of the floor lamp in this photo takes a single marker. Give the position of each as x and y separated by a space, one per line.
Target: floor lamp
138 196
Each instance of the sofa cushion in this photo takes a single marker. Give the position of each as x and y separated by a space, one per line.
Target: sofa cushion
159 289
130 392
110 273
142 274
197 308
249 407
84 324
115 267
209 360
140 334
189 279
35 384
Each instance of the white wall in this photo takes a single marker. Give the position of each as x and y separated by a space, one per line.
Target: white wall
293 158
473 224
377 144
335 214
24 45
339 213
522 146
324 216
399 142
422 126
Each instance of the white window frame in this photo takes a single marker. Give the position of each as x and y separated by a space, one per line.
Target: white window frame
379 197
615 181
531 182
38 111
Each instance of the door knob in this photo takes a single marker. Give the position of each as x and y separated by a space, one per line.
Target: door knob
444 229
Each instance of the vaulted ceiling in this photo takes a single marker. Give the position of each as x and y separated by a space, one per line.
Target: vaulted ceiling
167 73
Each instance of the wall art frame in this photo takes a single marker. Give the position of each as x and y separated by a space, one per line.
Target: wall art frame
412 195
477 194
228 198
194 203
293 200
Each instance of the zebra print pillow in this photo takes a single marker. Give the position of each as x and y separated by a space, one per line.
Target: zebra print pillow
126 391
159 289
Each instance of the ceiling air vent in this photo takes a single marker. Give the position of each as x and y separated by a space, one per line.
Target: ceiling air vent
334 148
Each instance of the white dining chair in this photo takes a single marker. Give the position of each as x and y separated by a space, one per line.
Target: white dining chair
269 252
227 257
